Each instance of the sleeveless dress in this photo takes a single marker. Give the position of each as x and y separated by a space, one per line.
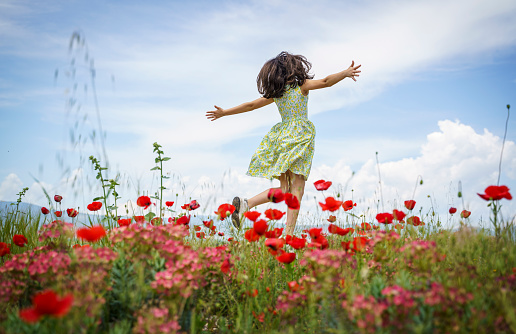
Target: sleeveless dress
289 145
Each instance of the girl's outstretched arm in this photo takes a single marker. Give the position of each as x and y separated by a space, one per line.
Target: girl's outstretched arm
244 107
332 79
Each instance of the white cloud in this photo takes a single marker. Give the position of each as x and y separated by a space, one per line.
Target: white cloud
10 186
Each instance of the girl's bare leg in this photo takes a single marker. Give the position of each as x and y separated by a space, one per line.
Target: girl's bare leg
262 198
297 189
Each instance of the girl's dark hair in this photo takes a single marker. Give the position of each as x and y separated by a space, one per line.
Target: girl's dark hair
285 69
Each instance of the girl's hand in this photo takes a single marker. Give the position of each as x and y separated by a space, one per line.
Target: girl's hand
352 71
215 114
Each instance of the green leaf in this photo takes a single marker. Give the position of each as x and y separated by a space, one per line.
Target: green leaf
149 216
98 198
156 160
165 159
155 168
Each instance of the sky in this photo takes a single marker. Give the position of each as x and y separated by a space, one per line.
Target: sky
110 78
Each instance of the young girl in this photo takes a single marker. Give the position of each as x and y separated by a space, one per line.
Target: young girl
286 152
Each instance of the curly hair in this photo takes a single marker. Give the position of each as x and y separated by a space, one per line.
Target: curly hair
284 70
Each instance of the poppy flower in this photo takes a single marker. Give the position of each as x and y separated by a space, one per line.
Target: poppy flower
452 210
332 219
46 303
124 222
225 210
410 204
169 203
91 234
191 206
274 214
207 223
72 213
94 206
260 227
398 215
183 220
252 215
348 205
197 228
252 293
359 243
292 201
465 214
58 213
322 185
334 229
331 204
156 221
384 218
200 235
20 240
398 226
414 220
139 219
221 234
58 198
45 211
495 193
260 317
143 201
275 195
275 243
251 235
286 258
4 249
225 266
297 243
365 226
315 232
276 233
293 286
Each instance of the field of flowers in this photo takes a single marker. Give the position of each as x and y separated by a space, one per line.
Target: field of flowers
159 273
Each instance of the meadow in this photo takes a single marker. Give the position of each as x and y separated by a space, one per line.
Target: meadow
156 271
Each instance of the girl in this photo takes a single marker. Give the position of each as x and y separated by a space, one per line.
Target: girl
286 152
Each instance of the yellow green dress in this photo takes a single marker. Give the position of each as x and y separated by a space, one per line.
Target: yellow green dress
289 145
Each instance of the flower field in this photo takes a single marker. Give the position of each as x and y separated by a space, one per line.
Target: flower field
158 272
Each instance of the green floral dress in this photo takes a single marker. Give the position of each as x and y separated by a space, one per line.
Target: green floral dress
289 145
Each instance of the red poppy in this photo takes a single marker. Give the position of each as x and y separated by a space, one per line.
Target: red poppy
183 220
91 234
260 317
322 185
252 293
495 193
156 221
221 234
359 243
275 243
275 195
465 214
200 235
45 211
197 228
4 249
334 229
315 232
143 201
398 215
384 218
365 226
452 210
276 233
207 223
414 220
191 206
260 227
398 226
251 235
297 243
124 222
332 219
252 215
225 266
58 213
286 258
331 204
58 198
139 219
72 213
20 240
94 206
225 210
169 203
46 303
410 204
292 201
274 214
348 205
293 286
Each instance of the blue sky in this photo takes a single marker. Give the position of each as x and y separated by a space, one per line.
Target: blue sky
431 99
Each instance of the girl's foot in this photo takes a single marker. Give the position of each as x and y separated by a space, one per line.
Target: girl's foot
241 206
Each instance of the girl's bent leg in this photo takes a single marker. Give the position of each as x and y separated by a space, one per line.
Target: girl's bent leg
262 198
297 189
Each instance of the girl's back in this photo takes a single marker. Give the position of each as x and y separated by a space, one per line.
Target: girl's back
293 104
